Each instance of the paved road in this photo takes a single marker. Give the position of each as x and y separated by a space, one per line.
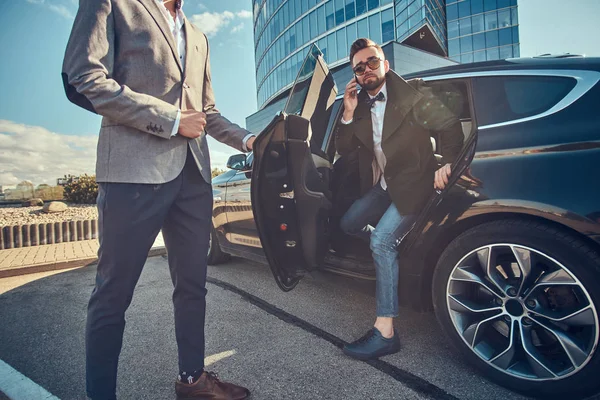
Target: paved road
281 345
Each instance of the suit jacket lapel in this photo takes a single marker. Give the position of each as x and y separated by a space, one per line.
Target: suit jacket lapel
159 18
401 99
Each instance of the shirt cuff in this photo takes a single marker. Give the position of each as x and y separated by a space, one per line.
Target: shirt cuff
346 122
176 125
245 140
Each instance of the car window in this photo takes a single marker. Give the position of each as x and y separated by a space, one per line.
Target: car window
508 98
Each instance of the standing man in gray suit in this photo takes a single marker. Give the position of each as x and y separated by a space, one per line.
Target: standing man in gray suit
145 68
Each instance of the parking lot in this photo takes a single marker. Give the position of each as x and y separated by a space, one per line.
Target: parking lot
280 345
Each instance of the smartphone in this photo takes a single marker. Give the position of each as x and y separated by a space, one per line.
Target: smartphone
357 86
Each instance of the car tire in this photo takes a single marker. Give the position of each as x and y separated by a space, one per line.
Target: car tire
215 254
554 274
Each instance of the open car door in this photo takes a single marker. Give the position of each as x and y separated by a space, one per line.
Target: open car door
290 178
455 95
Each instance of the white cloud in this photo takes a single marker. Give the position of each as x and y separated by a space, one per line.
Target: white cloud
244 14
211 23
60 9
237 28
36 154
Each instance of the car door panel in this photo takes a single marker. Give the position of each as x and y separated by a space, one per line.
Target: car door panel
290 179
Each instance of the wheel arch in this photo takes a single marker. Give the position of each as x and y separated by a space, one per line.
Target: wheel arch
498 211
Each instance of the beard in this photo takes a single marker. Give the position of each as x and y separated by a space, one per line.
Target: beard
373 83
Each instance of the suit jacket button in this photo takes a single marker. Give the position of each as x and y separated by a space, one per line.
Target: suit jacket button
186 86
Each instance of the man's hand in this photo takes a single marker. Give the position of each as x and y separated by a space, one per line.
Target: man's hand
250 142
350 100
441 177
192 123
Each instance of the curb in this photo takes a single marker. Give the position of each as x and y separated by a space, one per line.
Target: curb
55 266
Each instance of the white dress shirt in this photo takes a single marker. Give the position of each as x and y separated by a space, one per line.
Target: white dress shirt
377 116
176 26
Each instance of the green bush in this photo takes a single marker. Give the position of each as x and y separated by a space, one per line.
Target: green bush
82 190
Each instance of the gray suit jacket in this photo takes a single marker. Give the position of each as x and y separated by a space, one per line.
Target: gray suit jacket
121 62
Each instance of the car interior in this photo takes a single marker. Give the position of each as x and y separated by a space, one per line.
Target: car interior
325 184
341 176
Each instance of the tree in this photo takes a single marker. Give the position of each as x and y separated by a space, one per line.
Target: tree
83 190
217 171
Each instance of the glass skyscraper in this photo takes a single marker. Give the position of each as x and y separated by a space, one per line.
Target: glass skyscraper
463 30
480 30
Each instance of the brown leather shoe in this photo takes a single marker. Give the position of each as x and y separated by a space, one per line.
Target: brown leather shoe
208 386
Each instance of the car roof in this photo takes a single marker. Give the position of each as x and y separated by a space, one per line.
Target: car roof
531 63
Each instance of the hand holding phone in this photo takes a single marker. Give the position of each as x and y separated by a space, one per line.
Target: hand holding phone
350 99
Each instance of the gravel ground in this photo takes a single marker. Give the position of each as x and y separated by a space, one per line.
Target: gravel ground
17 215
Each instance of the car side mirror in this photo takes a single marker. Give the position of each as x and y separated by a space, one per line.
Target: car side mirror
237 162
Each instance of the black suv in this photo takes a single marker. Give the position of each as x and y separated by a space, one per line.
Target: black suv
508 255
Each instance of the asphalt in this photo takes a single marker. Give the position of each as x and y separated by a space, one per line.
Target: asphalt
280 345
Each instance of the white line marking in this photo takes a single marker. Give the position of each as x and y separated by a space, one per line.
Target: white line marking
217 357
19 387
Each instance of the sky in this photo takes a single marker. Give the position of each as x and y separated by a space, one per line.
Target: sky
43 136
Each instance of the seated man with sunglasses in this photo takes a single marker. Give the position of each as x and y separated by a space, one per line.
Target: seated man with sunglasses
388 123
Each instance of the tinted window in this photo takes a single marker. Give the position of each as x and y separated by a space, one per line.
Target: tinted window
501 99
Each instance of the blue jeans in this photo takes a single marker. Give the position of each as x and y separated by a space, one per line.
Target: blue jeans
376 208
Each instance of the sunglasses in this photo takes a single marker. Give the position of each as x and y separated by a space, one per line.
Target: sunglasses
372 62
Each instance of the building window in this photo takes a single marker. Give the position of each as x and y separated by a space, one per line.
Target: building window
514 16
477 24
493 54
350 11
332 49
479 56
329 17
466 44
479 42
342 43
491 39
489 5
361 7
505 36
465 26
476 6
502 99
387 25
466 58
321 20
503 18
453 47
491 21
351 34
339 11
373 4
464 9
452 29
503 3
375 27
452 12
505 52
363 28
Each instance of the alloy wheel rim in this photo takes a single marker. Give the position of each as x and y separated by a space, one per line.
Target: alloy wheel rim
522 312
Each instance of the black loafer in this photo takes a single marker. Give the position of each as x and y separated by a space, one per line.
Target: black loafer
372 345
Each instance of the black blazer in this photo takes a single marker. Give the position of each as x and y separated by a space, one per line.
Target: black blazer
412 114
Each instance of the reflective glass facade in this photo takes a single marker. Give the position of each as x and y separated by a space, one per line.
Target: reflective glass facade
412 15
284 30
480 30
464 30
